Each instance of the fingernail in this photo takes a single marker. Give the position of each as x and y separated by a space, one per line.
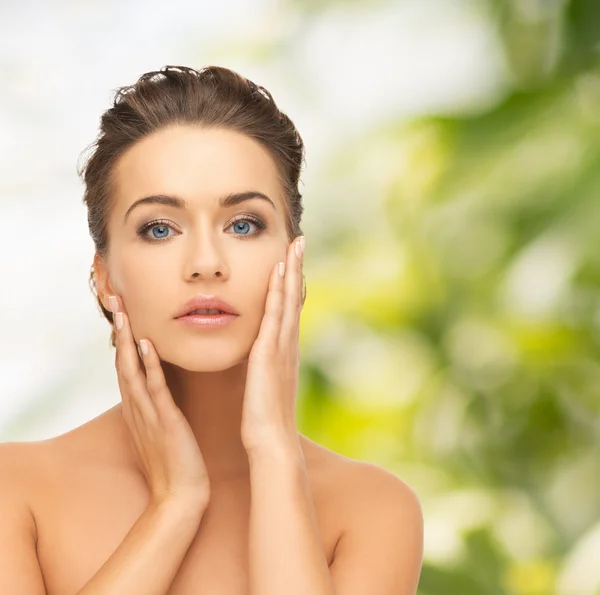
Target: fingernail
114 303
303 240
144 346
298 248
119 320
281 269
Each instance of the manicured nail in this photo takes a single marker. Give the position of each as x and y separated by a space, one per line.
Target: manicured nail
144 346
119 320
281 269
113 303
298 248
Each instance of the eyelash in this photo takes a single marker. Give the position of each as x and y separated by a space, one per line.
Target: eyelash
147 226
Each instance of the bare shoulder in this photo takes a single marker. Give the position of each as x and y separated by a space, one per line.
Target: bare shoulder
27 467
380 548
364 484
20 463
23 466
380 498
383 487
20 571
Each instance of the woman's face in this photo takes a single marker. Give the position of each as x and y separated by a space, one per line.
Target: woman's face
202 249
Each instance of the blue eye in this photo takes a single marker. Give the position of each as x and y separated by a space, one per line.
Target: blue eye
161 225
164 225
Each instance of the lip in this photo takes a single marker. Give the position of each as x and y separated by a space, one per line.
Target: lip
206 302
207 320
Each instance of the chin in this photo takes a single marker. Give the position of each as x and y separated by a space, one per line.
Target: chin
205 355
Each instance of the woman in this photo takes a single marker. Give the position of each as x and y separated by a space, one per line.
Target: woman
198 481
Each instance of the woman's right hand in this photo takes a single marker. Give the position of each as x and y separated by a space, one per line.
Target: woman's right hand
168 453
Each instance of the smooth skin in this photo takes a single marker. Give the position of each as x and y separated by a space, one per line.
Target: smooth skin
167 450
153 495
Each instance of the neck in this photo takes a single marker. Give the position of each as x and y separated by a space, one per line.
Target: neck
212 404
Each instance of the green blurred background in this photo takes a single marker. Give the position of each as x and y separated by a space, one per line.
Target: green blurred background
456 339
451 332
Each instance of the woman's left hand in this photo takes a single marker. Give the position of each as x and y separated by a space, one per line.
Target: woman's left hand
269 408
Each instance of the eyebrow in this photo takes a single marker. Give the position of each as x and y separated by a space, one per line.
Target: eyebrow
225 202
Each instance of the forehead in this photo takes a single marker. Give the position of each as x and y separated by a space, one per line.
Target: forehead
193 161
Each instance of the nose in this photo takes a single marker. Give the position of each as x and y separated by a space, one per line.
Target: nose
206 260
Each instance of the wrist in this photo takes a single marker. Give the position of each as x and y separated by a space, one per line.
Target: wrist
180 508
287 451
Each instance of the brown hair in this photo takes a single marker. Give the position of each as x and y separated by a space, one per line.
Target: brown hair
213 96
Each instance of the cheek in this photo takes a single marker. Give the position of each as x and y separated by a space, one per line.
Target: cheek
259 282
136 284
138 273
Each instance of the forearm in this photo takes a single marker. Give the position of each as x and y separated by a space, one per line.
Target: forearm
147 560
286 553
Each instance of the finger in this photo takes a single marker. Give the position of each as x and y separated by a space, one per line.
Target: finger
131 411
268 334
130 414
157 384
292 297
132 382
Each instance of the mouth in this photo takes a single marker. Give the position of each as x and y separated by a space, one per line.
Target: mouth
206 305
207 318
212 312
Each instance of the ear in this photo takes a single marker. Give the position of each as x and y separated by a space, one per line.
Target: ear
104 285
